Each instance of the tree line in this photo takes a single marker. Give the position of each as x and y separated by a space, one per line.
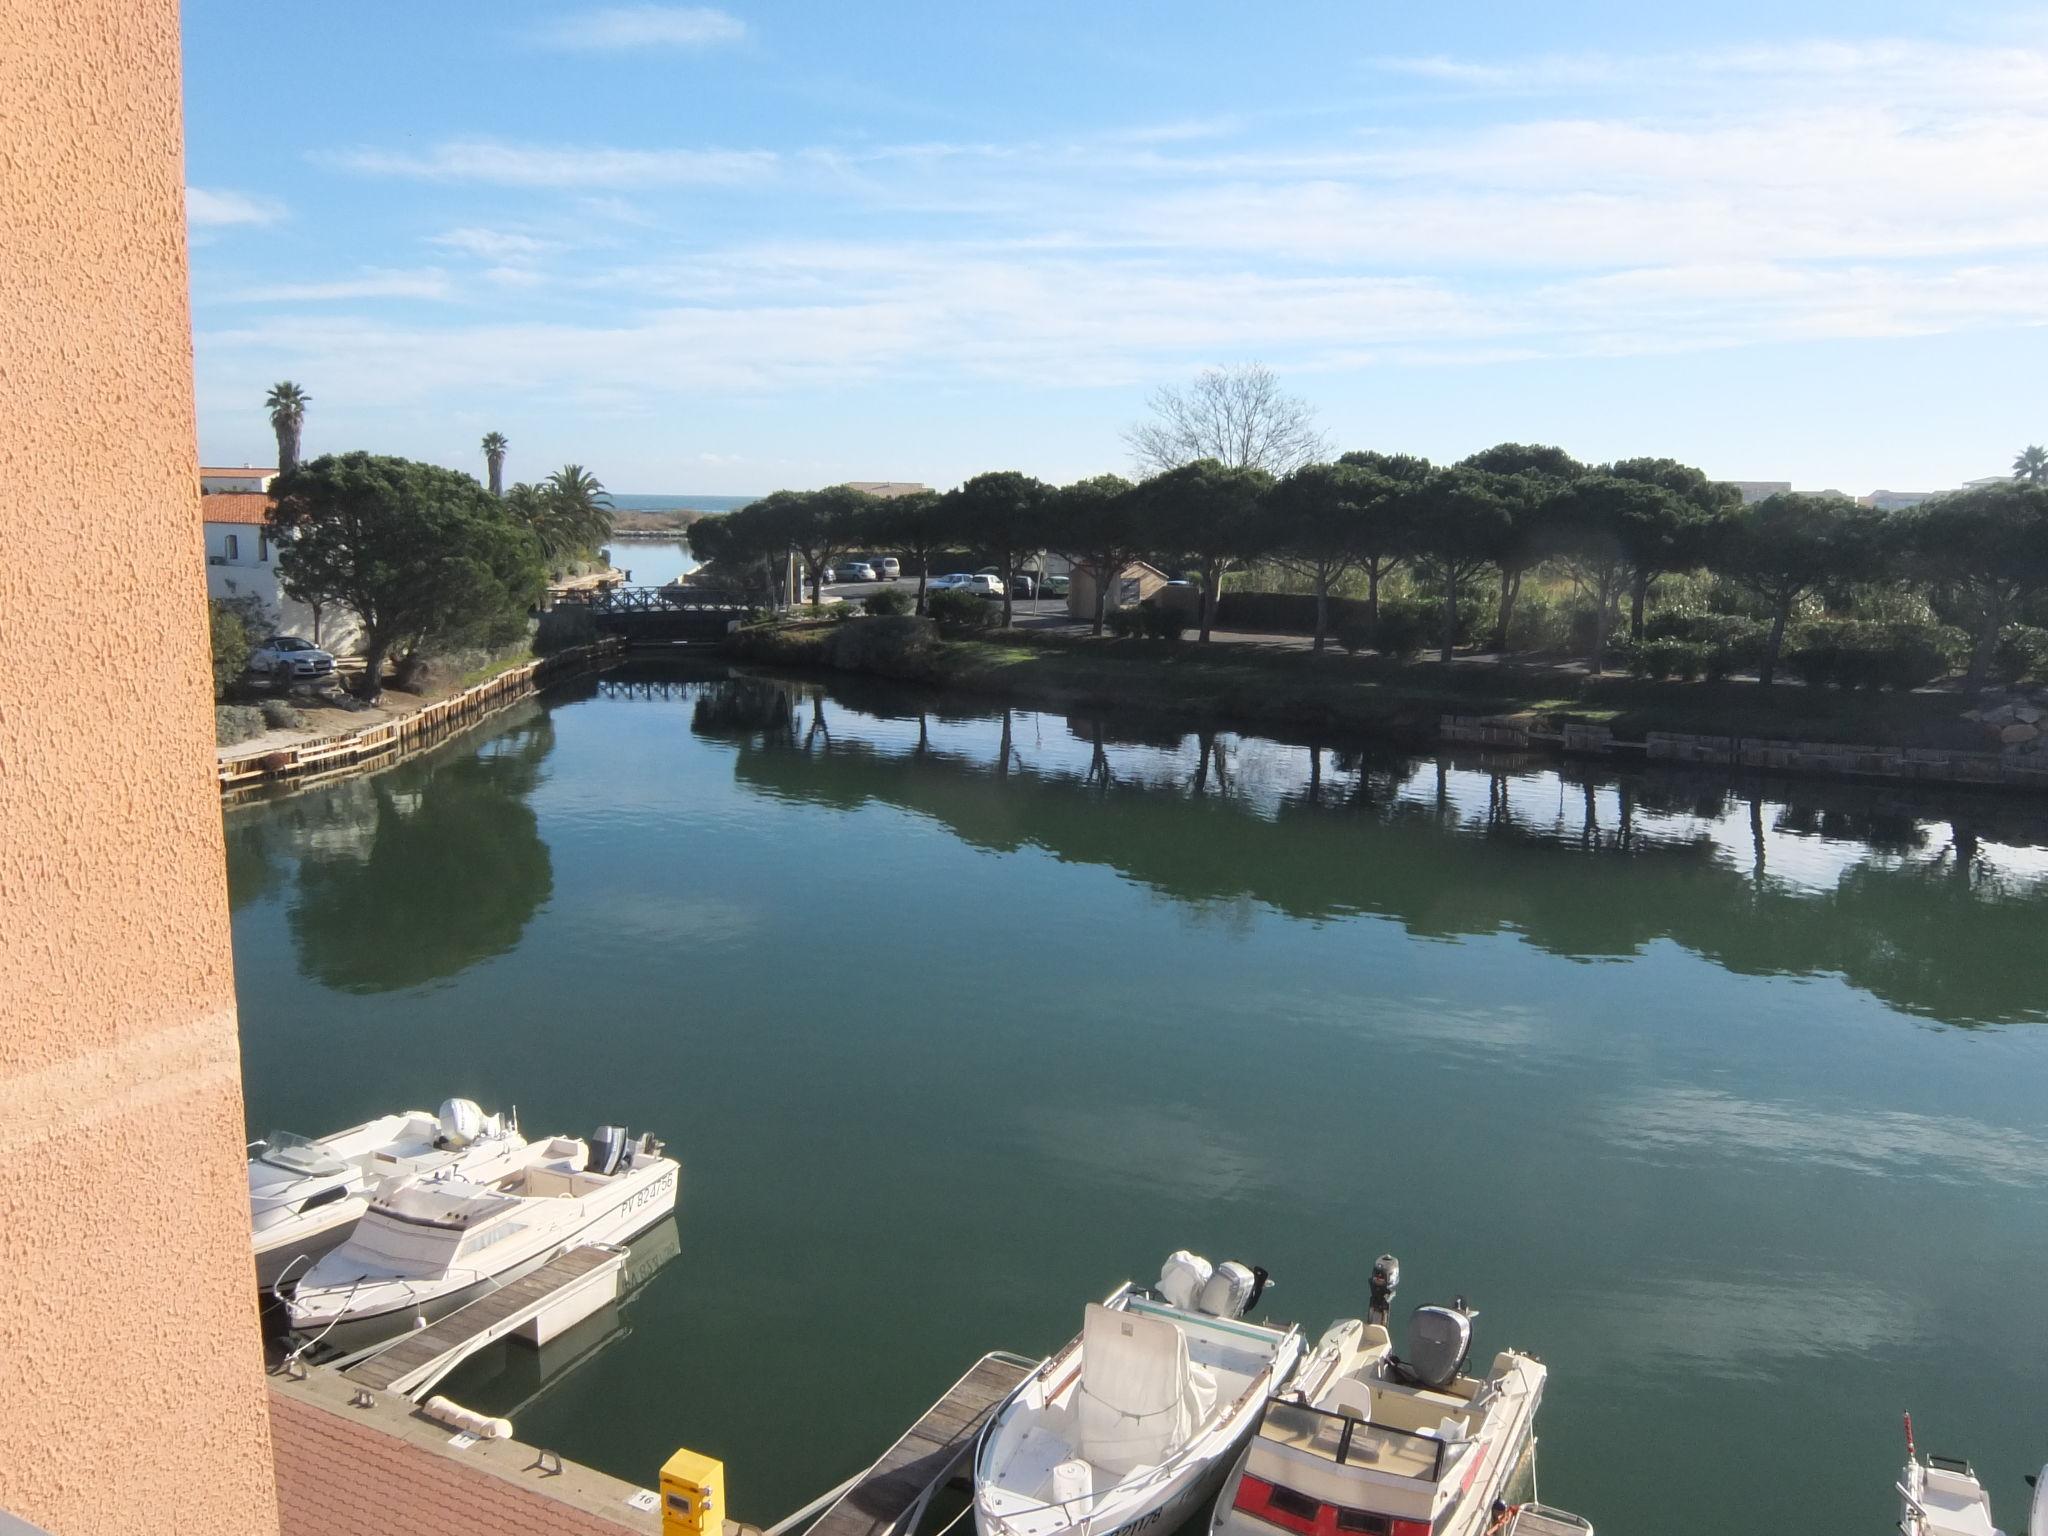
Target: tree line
1479 527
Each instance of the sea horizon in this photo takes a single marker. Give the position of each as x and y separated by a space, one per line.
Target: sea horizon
663 501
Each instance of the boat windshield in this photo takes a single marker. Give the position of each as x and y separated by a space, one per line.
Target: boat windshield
300 1154
1356 1442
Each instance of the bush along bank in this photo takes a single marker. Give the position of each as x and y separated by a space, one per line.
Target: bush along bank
1419 704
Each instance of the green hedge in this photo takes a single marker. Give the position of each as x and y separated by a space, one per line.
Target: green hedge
1848 654
961 610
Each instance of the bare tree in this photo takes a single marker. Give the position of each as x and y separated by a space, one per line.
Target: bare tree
1240 417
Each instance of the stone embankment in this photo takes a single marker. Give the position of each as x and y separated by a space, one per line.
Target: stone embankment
2014 721
378 746
2020 761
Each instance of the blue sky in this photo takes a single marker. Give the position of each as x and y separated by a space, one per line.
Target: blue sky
726 249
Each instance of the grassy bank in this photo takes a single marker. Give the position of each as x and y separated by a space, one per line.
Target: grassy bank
1295 693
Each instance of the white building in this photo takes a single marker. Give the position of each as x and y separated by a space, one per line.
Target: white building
244 479
241 562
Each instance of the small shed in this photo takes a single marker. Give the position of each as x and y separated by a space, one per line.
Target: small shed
1134 584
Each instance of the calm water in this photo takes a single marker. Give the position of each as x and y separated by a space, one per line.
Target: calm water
1728 1107
653 562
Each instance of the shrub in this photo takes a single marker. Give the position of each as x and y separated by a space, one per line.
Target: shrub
1284 613
1728 642
1685 660
2022 653
236 722
960 610
1162 621
564 628
1125 623
1545 624
280 715
1406 626
895 645
237 626
1848 654
889 603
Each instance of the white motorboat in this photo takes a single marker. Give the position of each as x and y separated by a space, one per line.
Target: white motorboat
1134 1423
427 1246
306 1194
1363 1440
1940 1496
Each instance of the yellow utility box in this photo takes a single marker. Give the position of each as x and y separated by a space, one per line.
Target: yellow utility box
692 1495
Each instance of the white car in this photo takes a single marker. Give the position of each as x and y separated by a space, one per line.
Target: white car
854 570
947 583
288 659
981 584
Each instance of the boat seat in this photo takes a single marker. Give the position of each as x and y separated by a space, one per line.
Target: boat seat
1351 1396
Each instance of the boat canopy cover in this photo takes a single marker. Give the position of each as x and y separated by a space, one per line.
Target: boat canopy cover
301 1155
1133 1406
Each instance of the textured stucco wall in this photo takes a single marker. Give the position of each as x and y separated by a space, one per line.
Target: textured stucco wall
131 1388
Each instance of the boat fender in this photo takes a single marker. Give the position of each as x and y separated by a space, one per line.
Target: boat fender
468 1420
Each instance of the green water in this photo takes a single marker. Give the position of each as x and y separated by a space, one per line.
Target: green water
1725 1100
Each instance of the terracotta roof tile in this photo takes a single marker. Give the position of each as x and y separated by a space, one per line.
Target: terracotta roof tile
235 507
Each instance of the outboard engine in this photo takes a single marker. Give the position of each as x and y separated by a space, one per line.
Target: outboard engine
1231 1291
1386 1274
1439 1339
462 1121
607 1149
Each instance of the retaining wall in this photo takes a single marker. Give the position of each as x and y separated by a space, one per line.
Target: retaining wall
1843 760
380 745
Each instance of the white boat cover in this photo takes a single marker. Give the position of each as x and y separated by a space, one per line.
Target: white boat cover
1182 1277
1134 1406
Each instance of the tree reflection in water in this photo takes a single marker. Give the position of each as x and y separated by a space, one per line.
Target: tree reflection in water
414 875
1890 893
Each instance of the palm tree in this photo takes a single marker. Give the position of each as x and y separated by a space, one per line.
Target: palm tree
494 455
287 403
2032 465
582 506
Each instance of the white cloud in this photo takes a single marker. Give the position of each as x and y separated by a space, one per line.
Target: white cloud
646 26
374 283
494 162
209 208
493 244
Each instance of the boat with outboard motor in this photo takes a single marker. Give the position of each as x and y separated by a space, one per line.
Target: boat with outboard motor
427 1246
1940 1496
1363 1440
307 1193
1132 1425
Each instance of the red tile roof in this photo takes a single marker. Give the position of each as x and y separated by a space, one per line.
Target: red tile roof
235 507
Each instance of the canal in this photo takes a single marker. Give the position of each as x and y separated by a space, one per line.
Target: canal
1723 1099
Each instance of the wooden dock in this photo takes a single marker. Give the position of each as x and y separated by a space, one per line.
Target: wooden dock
889 1499
414 1363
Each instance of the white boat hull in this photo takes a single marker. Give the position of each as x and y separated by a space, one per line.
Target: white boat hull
1147 1500
341 1309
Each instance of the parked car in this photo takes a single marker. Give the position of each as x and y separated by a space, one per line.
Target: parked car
980 583
853 570
288 659
1023 585
947 582
1055 586
887 567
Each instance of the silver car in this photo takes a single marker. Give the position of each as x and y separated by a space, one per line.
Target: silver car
288 659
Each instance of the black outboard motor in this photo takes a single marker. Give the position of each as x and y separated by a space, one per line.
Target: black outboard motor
1439 1339
607 1149
1386 1274
1260 1280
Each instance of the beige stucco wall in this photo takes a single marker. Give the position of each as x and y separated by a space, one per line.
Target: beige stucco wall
131 1387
